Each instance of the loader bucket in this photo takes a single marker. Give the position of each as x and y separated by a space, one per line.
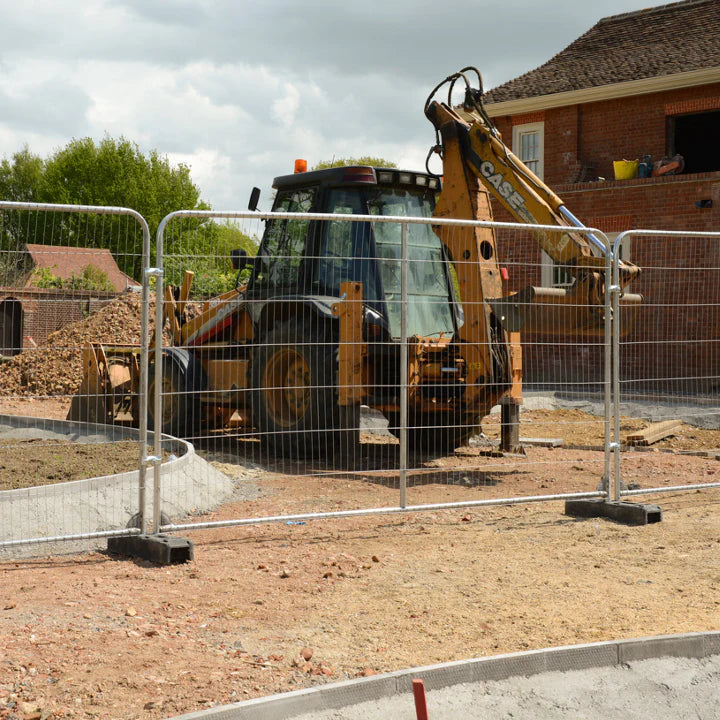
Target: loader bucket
93 401
90 408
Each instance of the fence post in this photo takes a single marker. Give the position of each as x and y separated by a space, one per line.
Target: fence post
157 399
142 400
610 324
403 363
615 288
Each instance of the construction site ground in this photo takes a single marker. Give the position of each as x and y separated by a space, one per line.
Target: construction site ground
271 608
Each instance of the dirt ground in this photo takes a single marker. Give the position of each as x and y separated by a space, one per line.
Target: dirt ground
273 608
30 463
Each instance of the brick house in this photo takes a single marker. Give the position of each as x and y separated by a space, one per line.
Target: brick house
66 262
643 83
28 314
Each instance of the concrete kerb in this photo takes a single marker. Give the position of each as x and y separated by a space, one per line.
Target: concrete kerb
106 502
436 677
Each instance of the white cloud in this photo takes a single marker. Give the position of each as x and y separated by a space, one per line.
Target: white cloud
239 89
285 108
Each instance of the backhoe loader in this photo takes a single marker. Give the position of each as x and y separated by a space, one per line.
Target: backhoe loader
316 331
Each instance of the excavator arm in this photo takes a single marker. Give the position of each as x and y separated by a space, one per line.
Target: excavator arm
472 148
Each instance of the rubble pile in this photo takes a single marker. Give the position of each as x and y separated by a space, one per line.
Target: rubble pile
55 367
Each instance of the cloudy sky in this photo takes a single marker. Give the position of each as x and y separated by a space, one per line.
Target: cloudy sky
237 90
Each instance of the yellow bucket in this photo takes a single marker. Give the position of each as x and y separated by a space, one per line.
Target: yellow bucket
625 169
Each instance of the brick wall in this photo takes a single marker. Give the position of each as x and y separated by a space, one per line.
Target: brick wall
45 311
676 336
675 339
596 134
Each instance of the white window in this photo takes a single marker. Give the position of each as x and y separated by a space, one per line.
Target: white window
553 274
528 143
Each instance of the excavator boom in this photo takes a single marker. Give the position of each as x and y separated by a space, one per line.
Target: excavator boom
467 136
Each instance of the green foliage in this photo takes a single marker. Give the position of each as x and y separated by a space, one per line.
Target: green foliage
90 278
229 237
45 279
116 172
109 173
206 251
20 181
14 269
21 178
364 160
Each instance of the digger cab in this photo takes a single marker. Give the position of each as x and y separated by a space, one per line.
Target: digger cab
303 258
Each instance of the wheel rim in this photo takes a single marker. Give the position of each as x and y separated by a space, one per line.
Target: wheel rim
287 387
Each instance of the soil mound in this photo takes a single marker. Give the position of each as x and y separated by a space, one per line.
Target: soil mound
55 367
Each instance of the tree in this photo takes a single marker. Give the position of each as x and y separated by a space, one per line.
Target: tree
205 249
364 160
20 179
115 173
109 173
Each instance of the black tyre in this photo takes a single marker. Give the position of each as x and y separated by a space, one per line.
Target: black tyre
181 410
438 433
295 407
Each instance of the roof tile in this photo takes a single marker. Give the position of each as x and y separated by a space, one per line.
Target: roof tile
654 42
66 261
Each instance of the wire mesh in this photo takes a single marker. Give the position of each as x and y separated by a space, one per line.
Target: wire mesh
331 365
668 367
554 339
69 276
347 365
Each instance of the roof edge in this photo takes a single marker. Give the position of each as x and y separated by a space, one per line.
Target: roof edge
650 10
644 86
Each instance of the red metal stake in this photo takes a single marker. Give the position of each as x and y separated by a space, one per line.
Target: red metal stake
420 700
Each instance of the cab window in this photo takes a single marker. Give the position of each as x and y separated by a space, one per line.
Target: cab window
345 252
283 247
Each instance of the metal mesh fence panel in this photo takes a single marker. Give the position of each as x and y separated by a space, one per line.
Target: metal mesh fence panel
350 367
668 364
326 365
70 279
553 326
255 373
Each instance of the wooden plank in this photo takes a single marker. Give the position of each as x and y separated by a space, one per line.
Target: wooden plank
653 433
187 282
170 312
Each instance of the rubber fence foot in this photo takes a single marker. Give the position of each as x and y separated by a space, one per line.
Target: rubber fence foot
627 513
159 549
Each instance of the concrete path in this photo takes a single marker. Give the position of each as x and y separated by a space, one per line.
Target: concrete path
647 679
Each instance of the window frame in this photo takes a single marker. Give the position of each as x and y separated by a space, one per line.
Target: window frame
535 128
547 272
294 234
548 265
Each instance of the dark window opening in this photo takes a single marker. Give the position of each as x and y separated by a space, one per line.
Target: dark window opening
695 137
11 327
